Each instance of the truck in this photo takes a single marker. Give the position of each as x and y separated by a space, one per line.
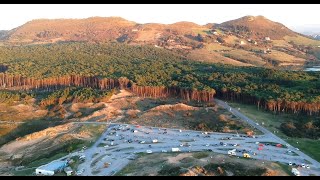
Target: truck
175 149
295 171
232 152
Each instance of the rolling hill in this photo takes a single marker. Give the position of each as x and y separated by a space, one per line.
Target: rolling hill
247 41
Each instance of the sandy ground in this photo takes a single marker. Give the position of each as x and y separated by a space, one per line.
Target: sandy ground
46 140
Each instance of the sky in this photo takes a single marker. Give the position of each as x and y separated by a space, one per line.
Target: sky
291 15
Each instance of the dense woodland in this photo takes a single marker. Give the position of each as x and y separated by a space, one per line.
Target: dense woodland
155 72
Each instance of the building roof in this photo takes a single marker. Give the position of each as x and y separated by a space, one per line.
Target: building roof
53 166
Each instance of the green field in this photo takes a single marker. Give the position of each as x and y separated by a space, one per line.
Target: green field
272 122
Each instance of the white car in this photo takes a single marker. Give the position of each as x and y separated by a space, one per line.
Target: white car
207 145
164 151
149 151
78 173
142 142
290 163
307 166
302 165
181 145
297 149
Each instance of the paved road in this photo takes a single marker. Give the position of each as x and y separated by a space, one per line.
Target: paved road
264 130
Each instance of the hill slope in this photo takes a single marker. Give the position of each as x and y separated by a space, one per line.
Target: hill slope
257 27
242 42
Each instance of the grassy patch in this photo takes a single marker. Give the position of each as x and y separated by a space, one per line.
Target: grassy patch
130 168
310 147
285 168
102 144
200 155
28 128
43 161
27 172
169 170
236 168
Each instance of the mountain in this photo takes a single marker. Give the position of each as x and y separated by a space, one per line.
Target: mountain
257 27
95 28
247 41
315 36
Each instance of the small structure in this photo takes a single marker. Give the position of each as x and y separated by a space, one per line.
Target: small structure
68 171
267 39
242 43
51 168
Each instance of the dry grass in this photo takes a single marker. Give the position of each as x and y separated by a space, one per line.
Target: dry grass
213 57
300 40
216 47
245 56
283 57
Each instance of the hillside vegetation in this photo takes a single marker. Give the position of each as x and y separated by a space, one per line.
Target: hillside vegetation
160 73
208 43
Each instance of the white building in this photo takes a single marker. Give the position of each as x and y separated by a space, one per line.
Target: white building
51 168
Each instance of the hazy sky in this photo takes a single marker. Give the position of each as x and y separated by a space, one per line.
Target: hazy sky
12 15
